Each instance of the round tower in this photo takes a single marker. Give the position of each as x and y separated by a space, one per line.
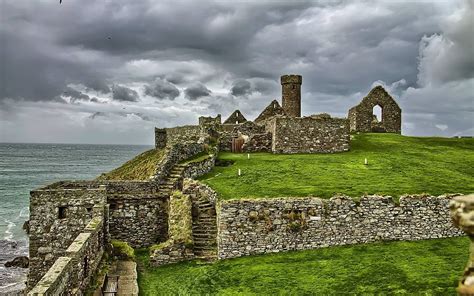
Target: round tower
291 94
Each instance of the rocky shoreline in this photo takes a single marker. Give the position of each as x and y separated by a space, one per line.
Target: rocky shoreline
12 279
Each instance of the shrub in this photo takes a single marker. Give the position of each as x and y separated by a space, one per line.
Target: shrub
122 250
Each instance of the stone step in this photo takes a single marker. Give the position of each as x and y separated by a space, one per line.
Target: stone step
205 233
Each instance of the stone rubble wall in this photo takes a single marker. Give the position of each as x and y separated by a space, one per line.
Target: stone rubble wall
183 134
50 235
140 219
198 168
309 135
72 273
248 227
361 117
179 246
174 155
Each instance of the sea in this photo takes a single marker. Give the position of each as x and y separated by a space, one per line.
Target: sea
24 167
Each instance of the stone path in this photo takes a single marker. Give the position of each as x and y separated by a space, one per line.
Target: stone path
127 277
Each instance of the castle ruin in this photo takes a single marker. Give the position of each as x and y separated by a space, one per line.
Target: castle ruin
72 222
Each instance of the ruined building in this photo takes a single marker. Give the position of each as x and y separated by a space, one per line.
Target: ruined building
72 222
362 118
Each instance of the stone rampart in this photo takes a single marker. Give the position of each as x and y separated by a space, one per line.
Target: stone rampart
183 134
247 227
309 135
57 216
71 274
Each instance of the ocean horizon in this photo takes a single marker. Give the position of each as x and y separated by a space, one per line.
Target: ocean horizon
27 166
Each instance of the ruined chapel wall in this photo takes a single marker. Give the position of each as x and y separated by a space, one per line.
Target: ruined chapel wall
361 116
309 135
248 227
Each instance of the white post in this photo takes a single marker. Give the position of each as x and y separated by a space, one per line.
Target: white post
248 155
239 172
366 162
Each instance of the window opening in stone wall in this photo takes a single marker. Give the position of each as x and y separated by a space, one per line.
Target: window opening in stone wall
89 210
377 113
62 212
112 206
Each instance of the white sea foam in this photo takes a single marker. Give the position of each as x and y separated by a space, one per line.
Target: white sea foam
9 231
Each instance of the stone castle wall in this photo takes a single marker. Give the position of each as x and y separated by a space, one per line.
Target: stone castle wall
174 155
138 213
57 216
73 272
247 227
309 135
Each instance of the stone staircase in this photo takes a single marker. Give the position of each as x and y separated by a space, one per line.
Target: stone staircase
204 229
174 181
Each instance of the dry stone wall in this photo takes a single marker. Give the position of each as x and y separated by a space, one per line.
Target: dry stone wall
309 135
247 227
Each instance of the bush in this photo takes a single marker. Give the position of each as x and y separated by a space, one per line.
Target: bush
122 250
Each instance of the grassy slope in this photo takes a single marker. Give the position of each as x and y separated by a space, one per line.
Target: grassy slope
139 168
397 165
430 267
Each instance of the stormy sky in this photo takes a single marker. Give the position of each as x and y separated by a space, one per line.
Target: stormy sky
109 71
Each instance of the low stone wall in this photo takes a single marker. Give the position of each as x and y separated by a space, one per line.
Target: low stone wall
198 168
176 154
247 227
71 274
309 135
180 242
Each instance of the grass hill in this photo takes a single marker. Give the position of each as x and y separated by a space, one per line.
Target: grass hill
430 267
396 165
140 167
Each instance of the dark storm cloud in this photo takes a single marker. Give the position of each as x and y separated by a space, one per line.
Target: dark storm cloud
124 94
162 89
240 48
75 95
196 91
241 88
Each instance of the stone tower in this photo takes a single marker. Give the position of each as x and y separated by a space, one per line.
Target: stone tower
291 94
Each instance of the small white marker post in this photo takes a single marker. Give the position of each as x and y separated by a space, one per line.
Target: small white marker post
366 162
239 172
248 155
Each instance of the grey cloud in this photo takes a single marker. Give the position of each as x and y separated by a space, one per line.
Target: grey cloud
75 95
241 88
125 94
196 91
162 89
340 48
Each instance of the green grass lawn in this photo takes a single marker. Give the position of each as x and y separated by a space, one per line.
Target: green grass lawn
430 267
397 165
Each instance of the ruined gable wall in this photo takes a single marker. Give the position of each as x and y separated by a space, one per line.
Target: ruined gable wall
361 116
248 227
309 135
